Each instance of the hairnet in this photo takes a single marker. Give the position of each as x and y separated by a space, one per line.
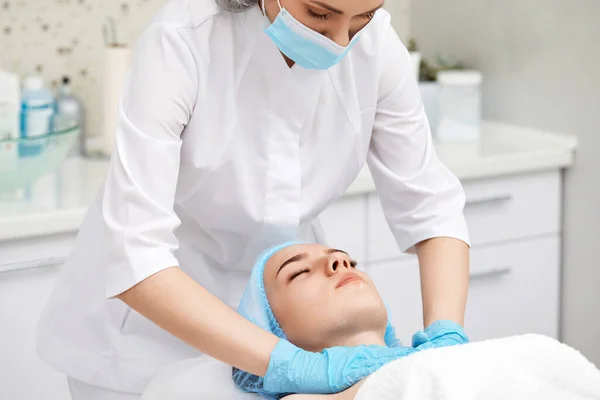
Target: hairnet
255 307
236 5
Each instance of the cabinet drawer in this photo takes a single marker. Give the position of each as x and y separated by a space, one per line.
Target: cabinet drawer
514 289
23 296
344 226
513 208
35 252
496 210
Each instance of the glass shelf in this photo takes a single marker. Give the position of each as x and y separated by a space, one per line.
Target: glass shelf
24 160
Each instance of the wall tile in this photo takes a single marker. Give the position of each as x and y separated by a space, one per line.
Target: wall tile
64 37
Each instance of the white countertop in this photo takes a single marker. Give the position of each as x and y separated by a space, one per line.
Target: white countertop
57 202
503 150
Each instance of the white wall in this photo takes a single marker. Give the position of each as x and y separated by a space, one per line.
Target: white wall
400 12
541 60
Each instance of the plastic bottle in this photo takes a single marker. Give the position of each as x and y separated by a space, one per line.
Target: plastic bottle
37 109
459 106
10 99
69 113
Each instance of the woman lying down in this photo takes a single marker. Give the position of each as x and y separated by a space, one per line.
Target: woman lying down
316 298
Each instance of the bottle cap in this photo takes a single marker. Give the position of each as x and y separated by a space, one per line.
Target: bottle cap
459 77
10 90
34 82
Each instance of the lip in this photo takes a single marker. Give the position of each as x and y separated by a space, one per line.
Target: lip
347 279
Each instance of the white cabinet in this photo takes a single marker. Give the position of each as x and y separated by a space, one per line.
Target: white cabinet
35 251
509 208
23 295
514 289
29 268
515 225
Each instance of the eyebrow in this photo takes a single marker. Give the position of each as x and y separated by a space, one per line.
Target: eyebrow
296 258
303 256
335 10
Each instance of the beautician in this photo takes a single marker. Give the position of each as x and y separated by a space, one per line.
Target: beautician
239 123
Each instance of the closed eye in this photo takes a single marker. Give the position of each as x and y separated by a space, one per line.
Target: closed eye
298 273
368 16
316 15
353 263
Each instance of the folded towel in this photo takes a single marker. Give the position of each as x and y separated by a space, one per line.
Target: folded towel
528 367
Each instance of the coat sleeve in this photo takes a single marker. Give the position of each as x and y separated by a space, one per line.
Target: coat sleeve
137 205
421 198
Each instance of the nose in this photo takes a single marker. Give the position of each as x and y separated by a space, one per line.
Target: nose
341 35
342 39
336 263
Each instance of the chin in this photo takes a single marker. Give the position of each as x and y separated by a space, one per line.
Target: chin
364 313
359 321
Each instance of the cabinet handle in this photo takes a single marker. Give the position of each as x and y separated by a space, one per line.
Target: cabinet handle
500 198
33 264
491 272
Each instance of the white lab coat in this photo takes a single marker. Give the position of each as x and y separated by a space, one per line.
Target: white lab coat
221 151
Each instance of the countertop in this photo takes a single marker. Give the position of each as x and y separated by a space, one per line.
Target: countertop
58 202
504 149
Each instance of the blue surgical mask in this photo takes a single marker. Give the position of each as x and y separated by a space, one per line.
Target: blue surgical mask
305 47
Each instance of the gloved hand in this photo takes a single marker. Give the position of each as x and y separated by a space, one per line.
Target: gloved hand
440 334
293 370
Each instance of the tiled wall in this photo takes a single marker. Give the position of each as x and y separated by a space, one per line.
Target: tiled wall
59 37
64 37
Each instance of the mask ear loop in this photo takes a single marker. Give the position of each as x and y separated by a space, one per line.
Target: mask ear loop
264 8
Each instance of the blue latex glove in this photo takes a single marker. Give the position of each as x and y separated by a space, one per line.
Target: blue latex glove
293 370
440 334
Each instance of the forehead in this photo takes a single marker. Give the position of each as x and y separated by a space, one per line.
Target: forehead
283 255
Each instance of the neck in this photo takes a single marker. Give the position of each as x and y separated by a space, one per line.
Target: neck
357 339
288 61
364 338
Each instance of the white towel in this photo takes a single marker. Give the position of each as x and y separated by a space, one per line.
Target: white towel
528 367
